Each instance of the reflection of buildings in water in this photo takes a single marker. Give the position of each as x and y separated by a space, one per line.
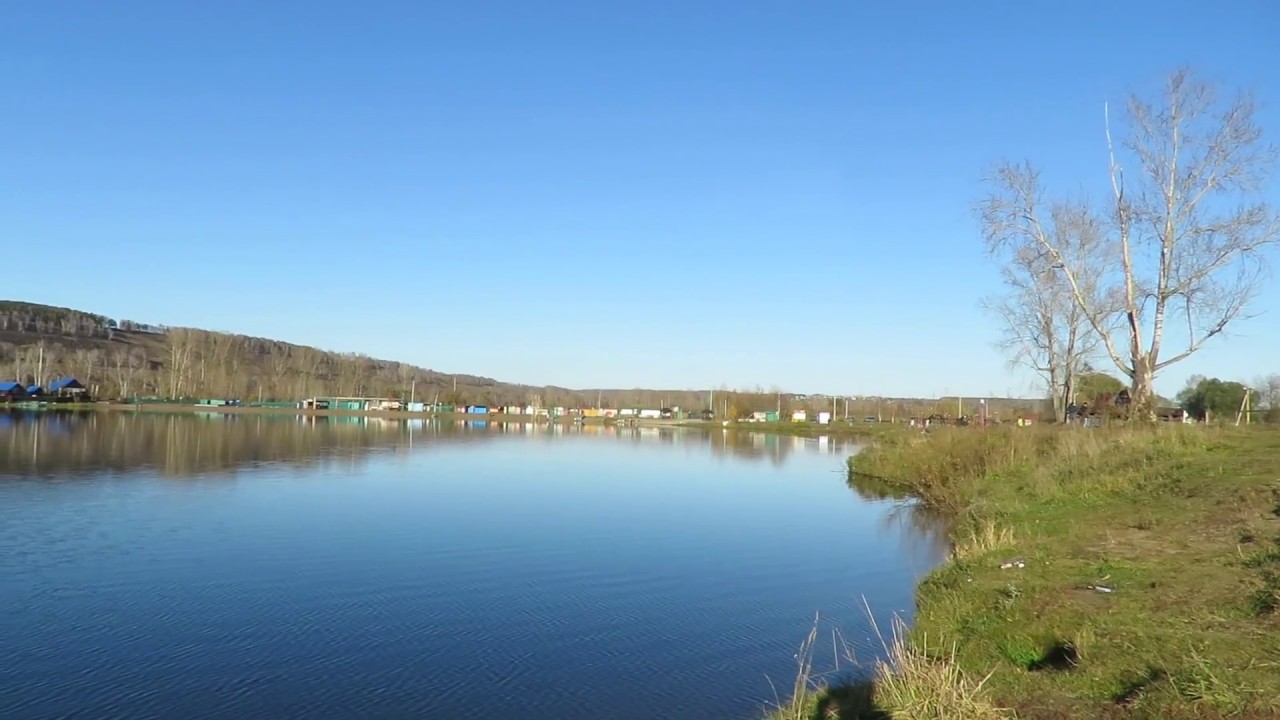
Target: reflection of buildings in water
179 444
185 444
778 448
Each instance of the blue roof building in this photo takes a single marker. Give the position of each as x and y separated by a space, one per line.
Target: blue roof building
12 390
65 384
34 390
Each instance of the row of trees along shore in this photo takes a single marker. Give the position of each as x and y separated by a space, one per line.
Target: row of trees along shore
190 363
1167 261
128 359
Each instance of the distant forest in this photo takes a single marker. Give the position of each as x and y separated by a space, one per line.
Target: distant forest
125 358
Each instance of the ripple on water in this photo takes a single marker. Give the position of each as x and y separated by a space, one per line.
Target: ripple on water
435 583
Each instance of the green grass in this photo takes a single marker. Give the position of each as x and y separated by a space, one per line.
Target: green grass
1179 522
839 428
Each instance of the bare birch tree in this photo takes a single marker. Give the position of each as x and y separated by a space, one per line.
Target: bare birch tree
83 365
1267 390
181 344
125 363
281 361
1044 328
1188 230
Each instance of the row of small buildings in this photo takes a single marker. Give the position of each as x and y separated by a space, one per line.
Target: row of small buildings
61 389
771 416
382 404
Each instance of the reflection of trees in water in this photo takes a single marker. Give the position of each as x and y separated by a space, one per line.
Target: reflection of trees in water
725 444
772 447
180 445
924 528
185 444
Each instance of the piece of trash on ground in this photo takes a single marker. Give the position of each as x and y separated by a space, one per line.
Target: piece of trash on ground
1012 564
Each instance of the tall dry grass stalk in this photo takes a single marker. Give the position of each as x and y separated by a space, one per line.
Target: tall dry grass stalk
810 695
805 690
986 537
912 682
915 682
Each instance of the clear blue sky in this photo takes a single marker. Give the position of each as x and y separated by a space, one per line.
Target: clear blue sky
674 194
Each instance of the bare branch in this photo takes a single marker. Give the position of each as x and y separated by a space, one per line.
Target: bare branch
1188 235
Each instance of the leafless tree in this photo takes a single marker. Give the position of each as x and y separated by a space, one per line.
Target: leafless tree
1267 390
181 345
1188 230
83 365
44 359
125 364
1045 329
281 362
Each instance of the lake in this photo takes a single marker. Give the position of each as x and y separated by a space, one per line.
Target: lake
252 566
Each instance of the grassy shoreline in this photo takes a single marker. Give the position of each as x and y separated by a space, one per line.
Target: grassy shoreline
1141 578
801 429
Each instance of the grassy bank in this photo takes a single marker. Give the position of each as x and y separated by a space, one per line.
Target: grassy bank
1145 581
804 429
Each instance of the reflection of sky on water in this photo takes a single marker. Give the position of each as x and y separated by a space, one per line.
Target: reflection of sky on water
377 567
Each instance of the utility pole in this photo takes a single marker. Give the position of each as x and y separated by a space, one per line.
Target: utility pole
413 386
1244 409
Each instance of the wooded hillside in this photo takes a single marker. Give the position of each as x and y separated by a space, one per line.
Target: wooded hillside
125 358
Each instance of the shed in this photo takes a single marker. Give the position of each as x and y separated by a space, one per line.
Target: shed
12 391
34 390
66 386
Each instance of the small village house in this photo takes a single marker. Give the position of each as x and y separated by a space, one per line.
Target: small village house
1175 415
67 387
12 391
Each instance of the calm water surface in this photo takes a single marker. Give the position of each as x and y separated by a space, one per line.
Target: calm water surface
181 566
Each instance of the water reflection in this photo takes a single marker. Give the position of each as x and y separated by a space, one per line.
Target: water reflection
189 444
923 527
628 573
